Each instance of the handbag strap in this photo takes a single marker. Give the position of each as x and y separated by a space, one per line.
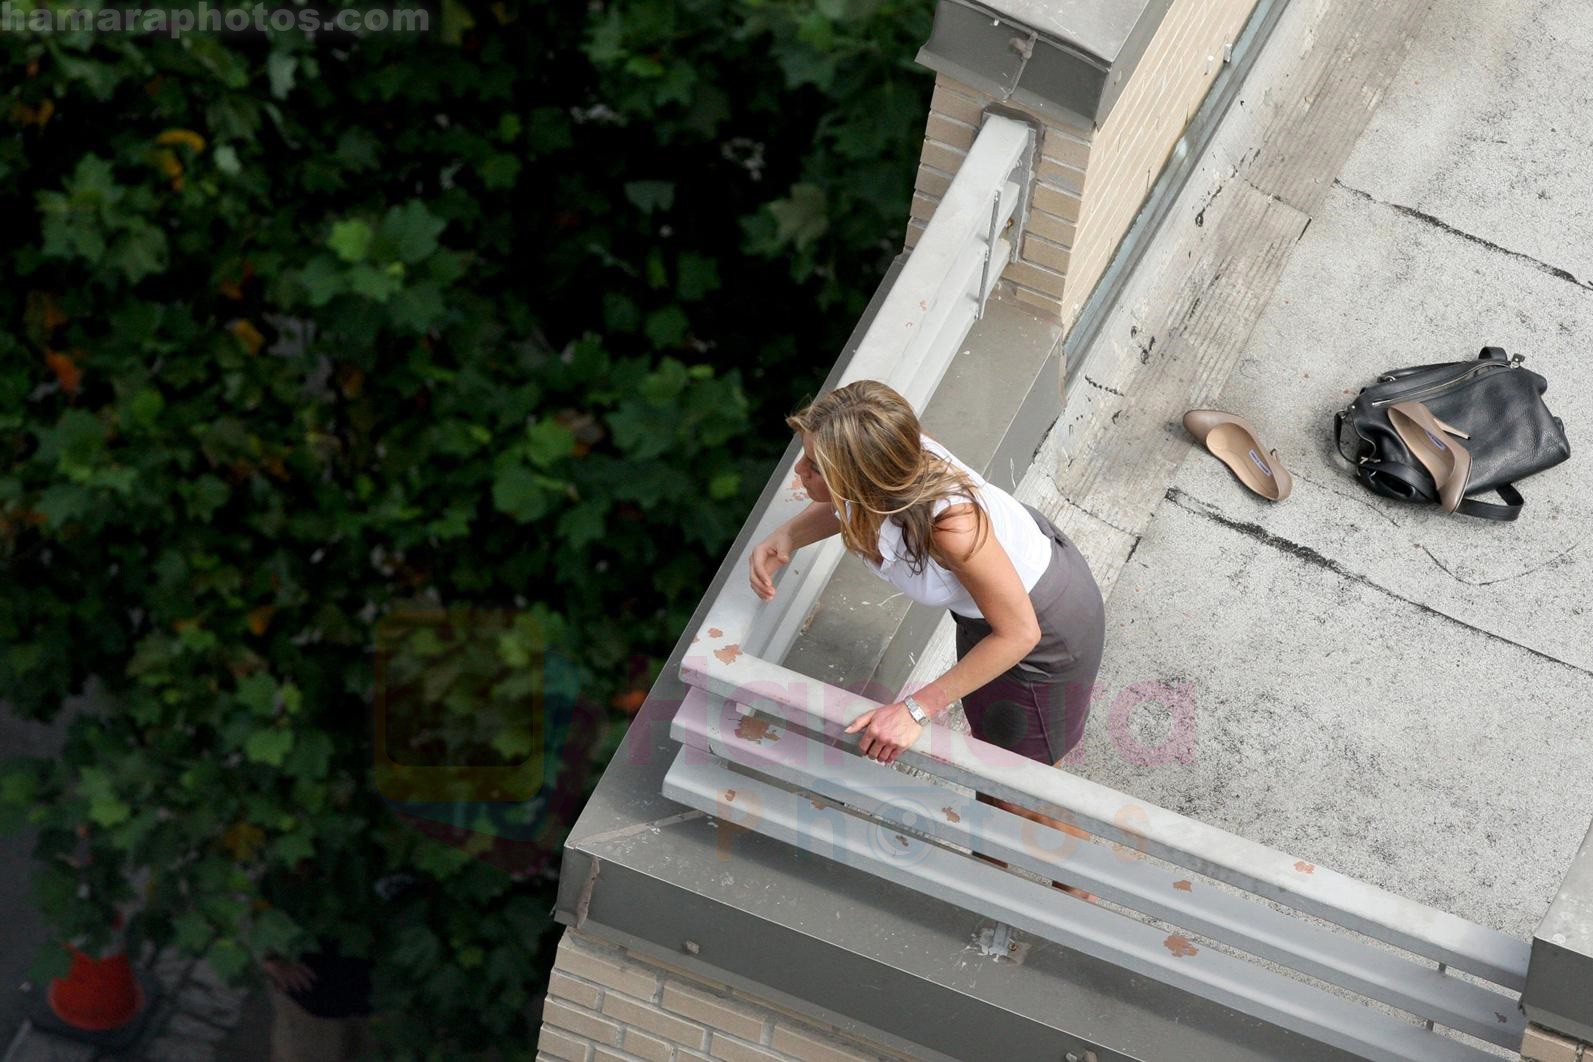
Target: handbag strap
1338 436
1420 487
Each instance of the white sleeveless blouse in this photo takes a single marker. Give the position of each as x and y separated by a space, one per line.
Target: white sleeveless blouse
1010 523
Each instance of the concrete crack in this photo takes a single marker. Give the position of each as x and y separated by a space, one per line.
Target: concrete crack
1310 556
1503 578
1444 226
1348 497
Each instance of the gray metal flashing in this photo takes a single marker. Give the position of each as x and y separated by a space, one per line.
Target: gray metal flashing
1175 173
1559 990
1066 59
896 965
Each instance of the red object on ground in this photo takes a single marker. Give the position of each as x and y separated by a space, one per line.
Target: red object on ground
97 994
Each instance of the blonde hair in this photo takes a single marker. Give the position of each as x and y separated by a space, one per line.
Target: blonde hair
868 451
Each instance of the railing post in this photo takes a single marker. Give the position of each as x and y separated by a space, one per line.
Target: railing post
990 251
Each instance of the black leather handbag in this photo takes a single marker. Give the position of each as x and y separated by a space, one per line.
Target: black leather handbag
1495 401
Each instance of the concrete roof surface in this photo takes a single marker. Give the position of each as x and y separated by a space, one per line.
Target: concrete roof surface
1400 695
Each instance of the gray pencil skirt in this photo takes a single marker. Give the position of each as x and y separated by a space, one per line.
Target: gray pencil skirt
1038 706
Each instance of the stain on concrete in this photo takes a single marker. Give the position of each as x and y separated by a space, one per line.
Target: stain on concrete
1305 868
715 632
1184 886
1103 387
728 654
951 816
730 794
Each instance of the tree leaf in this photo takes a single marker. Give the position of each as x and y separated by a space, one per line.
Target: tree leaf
377 284
311 755
228 959
193 932
802 217
411 231
696 276
667 328
648 196
269 747
258 692
500 170
108 811
322 280
547 441
583 524
516 492
351 240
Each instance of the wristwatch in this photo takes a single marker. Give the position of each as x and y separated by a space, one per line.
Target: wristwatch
916 710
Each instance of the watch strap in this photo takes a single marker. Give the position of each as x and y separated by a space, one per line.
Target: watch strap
916 710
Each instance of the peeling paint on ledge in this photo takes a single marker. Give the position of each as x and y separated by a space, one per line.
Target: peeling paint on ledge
1179 945
753 729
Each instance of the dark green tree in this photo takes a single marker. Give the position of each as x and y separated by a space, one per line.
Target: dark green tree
308 331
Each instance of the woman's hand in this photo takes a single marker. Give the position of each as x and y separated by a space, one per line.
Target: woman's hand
891 728
767 557
289 976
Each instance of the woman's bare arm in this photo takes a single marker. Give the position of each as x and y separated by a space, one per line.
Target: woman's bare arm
993 583
816 522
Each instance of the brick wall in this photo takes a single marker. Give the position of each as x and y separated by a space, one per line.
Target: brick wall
1542 1045
1089 182
1038 277
607 1004
1128 150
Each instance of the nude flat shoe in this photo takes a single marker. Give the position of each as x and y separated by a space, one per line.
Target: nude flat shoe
1233 441
1448 462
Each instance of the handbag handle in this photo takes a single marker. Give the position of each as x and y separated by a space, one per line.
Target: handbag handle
1497 353
1419 488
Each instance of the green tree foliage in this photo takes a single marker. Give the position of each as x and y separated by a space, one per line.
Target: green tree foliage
303 331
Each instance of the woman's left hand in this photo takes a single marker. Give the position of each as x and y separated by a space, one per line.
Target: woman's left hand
891 728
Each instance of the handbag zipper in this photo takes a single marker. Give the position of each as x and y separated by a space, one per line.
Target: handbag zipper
1473 371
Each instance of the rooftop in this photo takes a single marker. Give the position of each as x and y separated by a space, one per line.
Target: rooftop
1374 688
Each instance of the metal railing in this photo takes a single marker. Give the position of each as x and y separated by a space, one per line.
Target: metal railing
770 755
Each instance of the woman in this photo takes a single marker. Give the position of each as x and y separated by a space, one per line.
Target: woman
1029 617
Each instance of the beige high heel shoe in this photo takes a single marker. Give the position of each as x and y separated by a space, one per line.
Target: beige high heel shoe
1448 462
1233 441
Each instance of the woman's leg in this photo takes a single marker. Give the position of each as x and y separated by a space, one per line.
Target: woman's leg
1045 820
1011 714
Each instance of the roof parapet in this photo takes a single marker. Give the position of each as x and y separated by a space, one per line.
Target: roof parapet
1059 59
1559 990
